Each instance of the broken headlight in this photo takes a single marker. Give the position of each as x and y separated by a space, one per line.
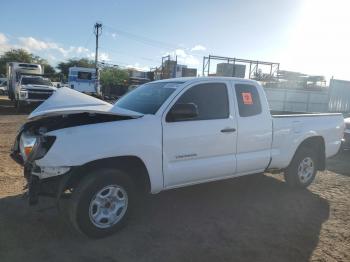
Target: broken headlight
35 147
26 145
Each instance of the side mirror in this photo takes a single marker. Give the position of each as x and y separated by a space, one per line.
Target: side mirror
182 112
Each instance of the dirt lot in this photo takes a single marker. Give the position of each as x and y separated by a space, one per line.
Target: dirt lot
245 219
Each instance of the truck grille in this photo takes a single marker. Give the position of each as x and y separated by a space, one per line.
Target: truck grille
39 94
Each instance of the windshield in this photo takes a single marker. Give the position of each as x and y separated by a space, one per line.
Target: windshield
148 98
36 81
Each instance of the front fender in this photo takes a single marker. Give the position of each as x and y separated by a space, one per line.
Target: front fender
79 145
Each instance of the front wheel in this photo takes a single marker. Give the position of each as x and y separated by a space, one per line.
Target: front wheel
303 168
101 203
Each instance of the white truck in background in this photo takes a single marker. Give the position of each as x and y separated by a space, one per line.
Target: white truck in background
84 80
26 85
3 86
163 135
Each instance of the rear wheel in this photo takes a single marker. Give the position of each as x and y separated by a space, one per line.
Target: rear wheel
303 168
101 203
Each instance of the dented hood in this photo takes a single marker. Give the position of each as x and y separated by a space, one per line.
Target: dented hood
68 101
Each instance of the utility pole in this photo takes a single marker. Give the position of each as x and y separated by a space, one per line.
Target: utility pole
97 32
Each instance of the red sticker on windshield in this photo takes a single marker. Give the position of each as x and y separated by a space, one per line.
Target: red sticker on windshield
247 98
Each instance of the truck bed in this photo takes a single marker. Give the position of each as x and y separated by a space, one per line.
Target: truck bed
291 128
278 114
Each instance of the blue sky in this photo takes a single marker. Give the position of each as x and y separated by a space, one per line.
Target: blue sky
309 36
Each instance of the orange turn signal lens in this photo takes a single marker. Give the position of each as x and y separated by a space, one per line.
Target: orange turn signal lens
28 150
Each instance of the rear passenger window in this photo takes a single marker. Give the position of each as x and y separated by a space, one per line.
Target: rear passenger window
248 100
211 100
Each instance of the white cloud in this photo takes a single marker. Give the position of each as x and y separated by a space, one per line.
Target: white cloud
49 50
198 48
81 49
32 44
102 56
3 39
138 67
54 51
184 58
180 53
3 42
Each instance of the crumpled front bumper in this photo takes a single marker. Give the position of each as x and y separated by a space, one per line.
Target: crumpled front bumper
38 181
32 181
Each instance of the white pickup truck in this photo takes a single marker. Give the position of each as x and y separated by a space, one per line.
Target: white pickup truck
32 89
162 135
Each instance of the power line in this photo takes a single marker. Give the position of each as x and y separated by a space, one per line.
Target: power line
142 39
88 40
149 41
118 52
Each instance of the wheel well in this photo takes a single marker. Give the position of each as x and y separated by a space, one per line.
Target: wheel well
131 165
317 143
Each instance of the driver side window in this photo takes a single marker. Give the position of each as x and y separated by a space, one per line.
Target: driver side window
211 100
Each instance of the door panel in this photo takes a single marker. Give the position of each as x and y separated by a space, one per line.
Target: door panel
198 150
255 130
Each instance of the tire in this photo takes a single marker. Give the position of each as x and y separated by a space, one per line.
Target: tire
302 170
95 189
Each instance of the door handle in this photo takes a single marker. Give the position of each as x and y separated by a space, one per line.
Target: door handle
228 130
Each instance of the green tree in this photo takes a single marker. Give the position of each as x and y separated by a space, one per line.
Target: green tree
113 77
21 55
14 55
83 62
49 70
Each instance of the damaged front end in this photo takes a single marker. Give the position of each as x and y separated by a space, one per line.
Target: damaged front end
33 142
64 109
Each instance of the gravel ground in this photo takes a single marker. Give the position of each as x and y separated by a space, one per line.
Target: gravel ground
256 218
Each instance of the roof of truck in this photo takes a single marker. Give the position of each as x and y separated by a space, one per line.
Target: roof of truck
82 68
205 78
